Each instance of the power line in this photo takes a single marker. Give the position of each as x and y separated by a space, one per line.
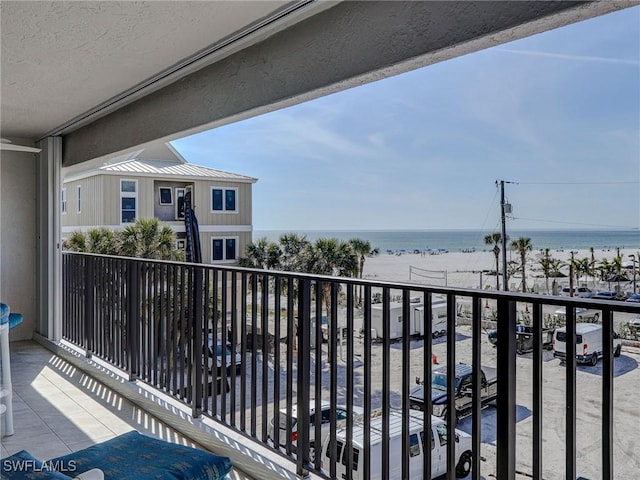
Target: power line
575 183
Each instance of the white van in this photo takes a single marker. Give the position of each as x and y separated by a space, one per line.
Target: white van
437 437
588 343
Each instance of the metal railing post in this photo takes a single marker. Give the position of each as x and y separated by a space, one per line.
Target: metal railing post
133 318
303 374
198 342
506 428
607 394
570 413
451 414
89 289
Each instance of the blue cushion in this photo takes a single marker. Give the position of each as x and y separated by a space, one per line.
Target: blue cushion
15 319
133 456
23 466
4 313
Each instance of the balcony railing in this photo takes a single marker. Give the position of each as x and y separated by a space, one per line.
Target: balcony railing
254 348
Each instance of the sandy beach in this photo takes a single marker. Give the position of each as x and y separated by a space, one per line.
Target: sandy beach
458 269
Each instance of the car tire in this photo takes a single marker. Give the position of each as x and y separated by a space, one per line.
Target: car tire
312 452
617 351
464 465
594 359
596 317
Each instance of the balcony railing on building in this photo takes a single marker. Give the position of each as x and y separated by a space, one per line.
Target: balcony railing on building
256 350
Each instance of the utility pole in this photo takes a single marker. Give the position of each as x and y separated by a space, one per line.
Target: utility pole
505 208
633 257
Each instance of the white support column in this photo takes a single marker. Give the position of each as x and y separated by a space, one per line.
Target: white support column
49 263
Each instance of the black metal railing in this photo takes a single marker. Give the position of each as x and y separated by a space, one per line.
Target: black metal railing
258 350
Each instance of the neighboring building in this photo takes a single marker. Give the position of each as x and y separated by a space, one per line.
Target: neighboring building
152 183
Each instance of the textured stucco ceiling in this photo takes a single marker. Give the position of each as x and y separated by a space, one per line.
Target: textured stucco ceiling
63 60
71 56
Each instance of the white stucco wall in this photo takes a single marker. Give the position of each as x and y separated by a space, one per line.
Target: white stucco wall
18 238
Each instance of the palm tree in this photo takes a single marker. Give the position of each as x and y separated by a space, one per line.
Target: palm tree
292 249
606 270
592 266
522 245
263 254
617 267
495 239
581 266
361 248
545 265
330 256
76 242
146 238
102 241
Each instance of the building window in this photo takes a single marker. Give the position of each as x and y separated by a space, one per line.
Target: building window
180 203
180 244
63 201
128 201
165 196
223 199
79 198
224 249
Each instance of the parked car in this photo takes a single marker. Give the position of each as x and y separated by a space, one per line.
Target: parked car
635 322
233 365
325 422
582 315
583 292
588 343
606 295
635 297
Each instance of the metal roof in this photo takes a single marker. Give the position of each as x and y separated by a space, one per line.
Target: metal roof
164 169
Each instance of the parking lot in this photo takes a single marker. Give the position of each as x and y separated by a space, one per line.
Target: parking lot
589 394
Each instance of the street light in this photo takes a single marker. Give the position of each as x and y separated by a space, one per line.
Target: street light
633 257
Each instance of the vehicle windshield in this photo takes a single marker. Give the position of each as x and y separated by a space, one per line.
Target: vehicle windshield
439 381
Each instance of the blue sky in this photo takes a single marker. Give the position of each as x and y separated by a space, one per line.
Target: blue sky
558 113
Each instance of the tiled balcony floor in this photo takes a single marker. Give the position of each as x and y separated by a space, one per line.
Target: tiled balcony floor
59 409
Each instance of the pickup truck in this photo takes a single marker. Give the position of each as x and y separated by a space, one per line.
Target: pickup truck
463 402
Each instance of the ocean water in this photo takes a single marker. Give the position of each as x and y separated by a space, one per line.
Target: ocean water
461 240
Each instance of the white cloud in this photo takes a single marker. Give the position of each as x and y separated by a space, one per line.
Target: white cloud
578 58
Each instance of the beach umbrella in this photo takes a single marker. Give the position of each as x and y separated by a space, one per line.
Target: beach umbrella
618 277
557 275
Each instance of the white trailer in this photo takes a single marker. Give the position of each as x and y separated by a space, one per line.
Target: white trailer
416 319
438 319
